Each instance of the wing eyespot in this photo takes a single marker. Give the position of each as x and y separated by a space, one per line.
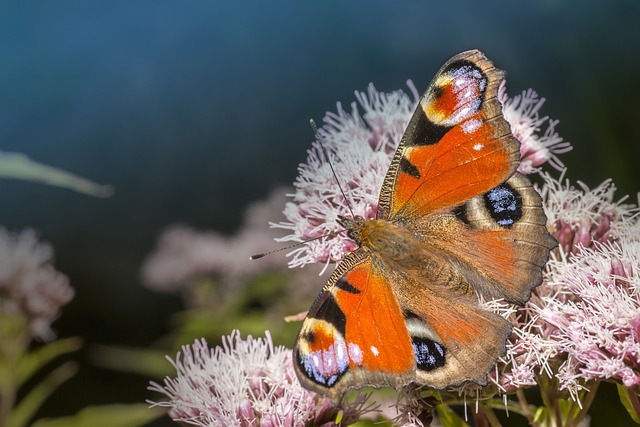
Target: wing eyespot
504 205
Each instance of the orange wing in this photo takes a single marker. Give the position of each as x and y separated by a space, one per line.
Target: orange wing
354 333
457 144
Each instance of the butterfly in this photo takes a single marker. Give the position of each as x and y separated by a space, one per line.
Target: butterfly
455 223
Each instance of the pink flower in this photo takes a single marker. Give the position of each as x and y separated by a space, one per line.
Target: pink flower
582 217
29 285
244 383
600 333
184 254
360 148
582 322
522 113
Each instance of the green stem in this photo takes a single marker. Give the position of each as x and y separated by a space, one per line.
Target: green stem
491 416
633 399
15 341
591 395
573 408
525 408
551 399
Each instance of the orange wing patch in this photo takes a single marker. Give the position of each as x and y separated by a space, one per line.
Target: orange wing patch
354 328
375 308
436 184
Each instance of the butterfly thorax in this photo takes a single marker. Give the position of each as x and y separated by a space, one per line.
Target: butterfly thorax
382 238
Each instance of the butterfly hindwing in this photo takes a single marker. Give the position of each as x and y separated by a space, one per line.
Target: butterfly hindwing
354 333
506 226
454 340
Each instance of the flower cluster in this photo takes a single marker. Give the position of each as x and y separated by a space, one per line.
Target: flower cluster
598 238
245 383
536 148
184 254
29 285
582 217
598 326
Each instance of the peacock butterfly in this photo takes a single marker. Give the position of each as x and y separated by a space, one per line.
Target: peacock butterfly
455 222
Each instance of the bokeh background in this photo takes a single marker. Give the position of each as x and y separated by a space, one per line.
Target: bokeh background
193 110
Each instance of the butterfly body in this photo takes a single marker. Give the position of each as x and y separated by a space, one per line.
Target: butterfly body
455 223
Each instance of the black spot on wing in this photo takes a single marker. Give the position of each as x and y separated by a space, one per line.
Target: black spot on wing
316 367
326 308
428 353
344 285
425 132
408 314
460 212
409 168
464 67
310 337
504 204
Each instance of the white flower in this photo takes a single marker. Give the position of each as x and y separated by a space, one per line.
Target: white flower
244 383
184 254
29 285
522 113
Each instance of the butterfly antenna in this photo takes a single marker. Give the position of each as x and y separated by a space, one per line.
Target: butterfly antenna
295 245
333 233
333 171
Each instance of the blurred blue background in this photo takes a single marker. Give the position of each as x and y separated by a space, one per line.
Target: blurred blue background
193 110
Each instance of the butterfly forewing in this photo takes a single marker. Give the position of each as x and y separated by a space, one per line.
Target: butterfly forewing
457 144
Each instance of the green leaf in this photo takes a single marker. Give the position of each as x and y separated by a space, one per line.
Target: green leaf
28 406
143 361
629 399
118 415
449 418
542 417
32 362
19 166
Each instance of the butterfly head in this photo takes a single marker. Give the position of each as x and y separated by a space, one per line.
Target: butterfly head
353 226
